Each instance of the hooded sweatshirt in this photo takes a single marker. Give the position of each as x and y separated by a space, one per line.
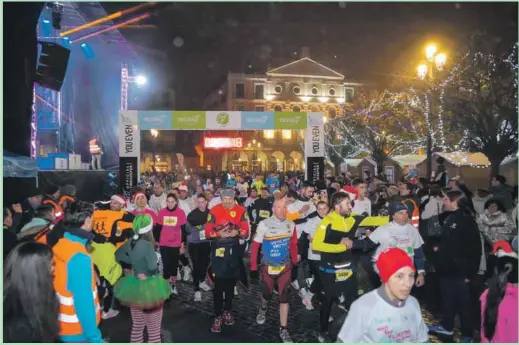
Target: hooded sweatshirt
506 327
195 226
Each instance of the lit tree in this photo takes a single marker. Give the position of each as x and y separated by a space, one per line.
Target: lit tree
480 95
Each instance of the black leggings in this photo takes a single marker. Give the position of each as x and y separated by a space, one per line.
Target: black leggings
332 291
221 286
199 253
170 258
316 286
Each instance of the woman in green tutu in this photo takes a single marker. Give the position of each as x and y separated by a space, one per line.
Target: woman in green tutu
144 290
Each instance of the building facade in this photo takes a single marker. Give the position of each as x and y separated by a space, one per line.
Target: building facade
303 85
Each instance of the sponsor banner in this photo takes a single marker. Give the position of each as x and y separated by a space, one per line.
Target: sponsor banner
257 120
155 120
314 169
314 136
129 134
222 120
289 120
188 120
128 173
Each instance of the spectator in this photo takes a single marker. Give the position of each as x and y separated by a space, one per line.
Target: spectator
9 235
495 224
500 190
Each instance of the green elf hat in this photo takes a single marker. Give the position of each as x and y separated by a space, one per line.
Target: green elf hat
142 223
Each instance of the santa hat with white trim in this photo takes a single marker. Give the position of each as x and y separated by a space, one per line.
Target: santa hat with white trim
119 198
504 249
142 223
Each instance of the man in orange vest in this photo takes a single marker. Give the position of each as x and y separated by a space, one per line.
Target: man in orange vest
75 279
96 152
51 197
405 188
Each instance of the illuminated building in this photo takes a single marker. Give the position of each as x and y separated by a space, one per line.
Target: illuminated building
303 85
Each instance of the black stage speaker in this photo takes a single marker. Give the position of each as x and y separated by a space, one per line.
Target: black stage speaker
52 65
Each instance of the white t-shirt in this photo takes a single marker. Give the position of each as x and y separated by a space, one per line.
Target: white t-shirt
392 235
214 201
373 320
361 206
157 203
310 228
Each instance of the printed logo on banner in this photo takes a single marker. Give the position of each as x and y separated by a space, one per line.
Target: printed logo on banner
128 172
257 120
223 120
289 120
189 120
155 120
129 135
315 169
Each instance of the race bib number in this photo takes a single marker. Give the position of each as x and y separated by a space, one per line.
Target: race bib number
202 235
220 252
171 221
264 214
342 275
275 270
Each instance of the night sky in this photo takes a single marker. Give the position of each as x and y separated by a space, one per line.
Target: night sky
364 41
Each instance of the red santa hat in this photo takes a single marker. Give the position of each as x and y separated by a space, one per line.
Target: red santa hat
119 198
390 261
502 249
352 192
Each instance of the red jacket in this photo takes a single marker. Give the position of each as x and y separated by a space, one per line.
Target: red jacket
220 217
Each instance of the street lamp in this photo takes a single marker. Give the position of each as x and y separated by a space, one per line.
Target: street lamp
436 61
154 133
254 146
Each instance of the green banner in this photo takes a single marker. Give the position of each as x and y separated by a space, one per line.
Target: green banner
188 119
289 120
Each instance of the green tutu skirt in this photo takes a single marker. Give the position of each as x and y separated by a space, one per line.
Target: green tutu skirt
144 294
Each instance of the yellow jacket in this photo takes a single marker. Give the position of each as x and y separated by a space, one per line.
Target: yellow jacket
103 256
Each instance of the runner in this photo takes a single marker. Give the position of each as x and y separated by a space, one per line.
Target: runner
279 240
226 224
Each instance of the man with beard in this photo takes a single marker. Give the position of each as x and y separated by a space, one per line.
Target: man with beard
226 224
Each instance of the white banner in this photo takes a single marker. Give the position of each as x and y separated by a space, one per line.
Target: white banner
129 134
222 120
314 136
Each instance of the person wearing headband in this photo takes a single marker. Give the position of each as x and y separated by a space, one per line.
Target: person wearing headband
388 314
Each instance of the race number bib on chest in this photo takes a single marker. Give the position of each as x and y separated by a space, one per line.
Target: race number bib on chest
343 274
202 234
170 221
275 270
264 214
220 252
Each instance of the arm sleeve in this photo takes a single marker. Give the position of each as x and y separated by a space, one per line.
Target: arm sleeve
431 208
151 259
254 256
364 245
121 255
210 227
293 216
419 259
127 217
319 245
353 327
183 232
375 221
79 283
244 225
260 232
17 218
293 247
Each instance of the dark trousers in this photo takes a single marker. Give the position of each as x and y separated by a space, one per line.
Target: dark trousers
456 300
223 286
243 278
316 287
199 253
170 259
477 286
332 291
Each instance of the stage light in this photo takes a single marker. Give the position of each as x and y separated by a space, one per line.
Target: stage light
141 80
46 21
83 45
87 50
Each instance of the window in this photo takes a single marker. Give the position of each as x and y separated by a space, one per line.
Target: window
390 173
240 108
286 134
278 88
258 91
315 90
332 113
297 90
240 91
331 91
278 108
268 134
259 109
349 95
296 109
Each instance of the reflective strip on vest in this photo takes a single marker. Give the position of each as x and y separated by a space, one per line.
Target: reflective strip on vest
94 148
58 214
69 302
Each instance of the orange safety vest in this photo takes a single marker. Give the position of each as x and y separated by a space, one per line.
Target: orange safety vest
121 227
66 198
104 221
415 216
58 211
94 148
41 237
68 321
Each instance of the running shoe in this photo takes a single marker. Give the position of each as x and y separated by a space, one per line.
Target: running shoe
295 284
198 296
217 325
466 340
438 329
204 286
227 318
307 300
105 315
186 273
174 290
284 335
262 316
324 337
235 290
